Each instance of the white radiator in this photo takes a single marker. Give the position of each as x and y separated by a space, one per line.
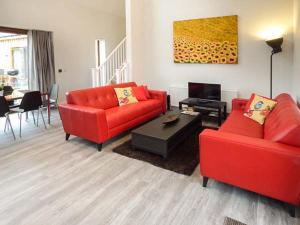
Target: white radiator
179 93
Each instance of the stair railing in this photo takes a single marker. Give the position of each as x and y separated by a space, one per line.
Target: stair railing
115 63
122 74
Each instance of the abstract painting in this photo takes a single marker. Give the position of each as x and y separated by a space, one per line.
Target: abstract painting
210 40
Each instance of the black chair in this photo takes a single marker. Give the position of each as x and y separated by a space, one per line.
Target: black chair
31 101
7 90
4 112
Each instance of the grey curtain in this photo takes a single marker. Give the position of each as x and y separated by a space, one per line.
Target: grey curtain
41 67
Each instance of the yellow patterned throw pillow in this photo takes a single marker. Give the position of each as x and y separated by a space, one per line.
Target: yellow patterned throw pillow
125 96
258 108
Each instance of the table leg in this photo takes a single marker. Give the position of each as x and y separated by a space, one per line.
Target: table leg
225 111
180 105
165 156
48 105
220 116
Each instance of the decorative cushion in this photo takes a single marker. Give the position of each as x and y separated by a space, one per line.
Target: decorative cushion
258 108
146 91
125 96
140 93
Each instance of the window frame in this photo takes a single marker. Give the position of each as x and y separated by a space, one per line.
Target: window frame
13 30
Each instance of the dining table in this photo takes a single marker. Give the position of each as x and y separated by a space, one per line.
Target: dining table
18 95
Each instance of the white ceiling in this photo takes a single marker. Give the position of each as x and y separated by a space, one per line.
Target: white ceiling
115 7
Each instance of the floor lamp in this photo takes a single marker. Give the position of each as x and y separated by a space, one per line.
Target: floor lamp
275 44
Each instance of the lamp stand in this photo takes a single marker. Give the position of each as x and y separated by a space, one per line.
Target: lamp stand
271 75
275 44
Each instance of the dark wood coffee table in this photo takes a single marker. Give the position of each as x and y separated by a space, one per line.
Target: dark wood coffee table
155 137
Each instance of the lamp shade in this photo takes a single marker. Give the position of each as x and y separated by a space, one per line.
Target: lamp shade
275 44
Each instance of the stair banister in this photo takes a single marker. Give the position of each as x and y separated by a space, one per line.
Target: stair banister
113 69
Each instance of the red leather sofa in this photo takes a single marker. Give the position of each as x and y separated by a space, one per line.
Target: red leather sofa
263 159
94 114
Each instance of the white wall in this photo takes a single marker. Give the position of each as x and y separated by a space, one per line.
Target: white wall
152 54
296 78
75 29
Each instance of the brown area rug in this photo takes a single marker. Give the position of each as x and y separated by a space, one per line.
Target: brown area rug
230 221
183 159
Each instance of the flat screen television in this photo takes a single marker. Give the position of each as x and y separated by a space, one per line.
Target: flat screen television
205 91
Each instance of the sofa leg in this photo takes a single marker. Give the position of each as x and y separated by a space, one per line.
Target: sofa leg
67 136
205 180
292 210
99 147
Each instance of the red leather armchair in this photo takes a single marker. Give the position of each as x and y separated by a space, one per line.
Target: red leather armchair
263 159
94 114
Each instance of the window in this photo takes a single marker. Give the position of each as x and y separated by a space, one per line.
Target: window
13 58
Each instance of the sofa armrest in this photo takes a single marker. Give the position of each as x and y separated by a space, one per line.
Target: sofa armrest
258 165
239 103
160 95
85 122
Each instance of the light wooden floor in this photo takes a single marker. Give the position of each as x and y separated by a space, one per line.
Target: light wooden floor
46 180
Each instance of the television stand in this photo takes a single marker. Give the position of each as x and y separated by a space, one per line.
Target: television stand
209 106
203 100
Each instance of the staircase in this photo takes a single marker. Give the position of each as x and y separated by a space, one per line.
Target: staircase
114 69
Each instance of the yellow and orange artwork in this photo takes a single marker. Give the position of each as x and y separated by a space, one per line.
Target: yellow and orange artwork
210 40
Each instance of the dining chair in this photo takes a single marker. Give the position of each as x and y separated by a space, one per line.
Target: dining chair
53 96
4 112
51 99
31 101
7 90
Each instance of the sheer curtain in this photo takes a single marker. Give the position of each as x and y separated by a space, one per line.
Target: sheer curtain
41 67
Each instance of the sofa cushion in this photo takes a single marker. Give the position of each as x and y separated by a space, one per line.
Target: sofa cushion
125 96
237 123
100 97
147 91
258 108
140 93
283 123
118 115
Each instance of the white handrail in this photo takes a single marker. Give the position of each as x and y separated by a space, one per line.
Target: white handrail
121 74
114 51
106 72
